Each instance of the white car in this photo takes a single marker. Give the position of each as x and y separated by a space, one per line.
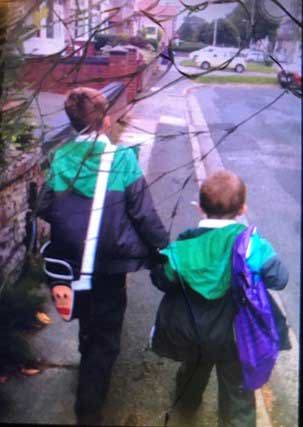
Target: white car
259 56
213 56
209 49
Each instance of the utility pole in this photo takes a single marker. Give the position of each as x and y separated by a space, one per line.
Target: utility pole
252 22
215 32
90 12
297 11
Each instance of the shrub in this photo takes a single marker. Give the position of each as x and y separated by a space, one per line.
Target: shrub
103 40
16 125
185 46
19 304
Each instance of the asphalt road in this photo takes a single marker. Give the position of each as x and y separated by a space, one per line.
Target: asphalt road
266 152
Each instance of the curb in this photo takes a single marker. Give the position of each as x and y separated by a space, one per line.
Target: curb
212 162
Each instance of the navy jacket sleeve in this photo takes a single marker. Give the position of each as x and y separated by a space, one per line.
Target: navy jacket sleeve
141 210
161 281
274 274
44 202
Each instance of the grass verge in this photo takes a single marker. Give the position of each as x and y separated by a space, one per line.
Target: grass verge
236 79
188 63
259 68
255 68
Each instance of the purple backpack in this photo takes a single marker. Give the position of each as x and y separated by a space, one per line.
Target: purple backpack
255 330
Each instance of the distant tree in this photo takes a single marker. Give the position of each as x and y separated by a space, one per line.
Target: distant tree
207 33
227 33
191 28
185 32
263 26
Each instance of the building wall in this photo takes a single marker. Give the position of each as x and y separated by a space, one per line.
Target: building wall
167 22
50 38
164 13
73 20
94 71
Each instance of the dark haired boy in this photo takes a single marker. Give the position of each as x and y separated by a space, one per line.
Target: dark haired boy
129 236
198 329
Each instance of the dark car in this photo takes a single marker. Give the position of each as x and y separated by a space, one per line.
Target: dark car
291 74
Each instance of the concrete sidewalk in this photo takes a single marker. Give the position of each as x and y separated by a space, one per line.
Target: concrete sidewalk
142 387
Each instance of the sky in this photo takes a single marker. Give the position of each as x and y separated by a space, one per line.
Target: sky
274 10
209 14
220 11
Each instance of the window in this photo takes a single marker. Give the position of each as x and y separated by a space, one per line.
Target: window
50 20
81 18
151 30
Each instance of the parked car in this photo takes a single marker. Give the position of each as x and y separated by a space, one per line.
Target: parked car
259 56
291 74
245 52
193 55
213 56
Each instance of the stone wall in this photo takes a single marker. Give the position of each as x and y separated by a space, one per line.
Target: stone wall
22 172
60 74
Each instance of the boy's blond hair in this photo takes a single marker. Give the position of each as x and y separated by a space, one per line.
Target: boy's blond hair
222 195
86 108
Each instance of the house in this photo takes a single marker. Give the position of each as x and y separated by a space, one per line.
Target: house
121 18
48 19
288 44
62 23
288 41
155 16
61 53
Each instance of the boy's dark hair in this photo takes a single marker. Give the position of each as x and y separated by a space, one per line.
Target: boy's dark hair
85 108
222 195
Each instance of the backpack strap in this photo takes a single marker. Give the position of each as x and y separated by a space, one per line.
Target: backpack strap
92 235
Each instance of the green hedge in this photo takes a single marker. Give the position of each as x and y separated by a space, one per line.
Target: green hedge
185 46
123 39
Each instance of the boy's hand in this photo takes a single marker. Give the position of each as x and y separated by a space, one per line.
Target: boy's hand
156 258
160 280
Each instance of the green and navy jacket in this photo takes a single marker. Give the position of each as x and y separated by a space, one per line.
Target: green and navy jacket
131 230
202 258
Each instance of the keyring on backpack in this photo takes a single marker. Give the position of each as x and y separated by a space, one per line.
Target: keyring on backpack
62 292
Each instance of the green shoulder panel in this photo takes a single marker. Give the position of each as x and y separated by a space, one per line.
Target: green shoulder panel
125 169
204 261
75 166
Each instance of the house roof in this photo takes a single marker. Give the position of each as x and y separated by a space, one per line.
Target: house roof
155 8
165 10
146 5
